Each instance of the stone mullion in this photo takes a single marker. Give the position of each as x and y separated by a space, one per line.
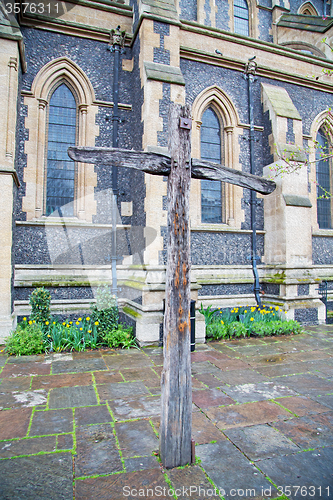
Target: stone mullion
11 114
80 185
230 188
40 167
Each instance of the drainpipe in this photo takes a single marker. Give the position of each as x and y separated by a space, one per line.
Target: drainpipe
117 40
249 74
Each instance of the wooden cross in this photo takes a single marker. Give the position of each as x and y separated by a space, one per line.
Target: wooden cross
176 398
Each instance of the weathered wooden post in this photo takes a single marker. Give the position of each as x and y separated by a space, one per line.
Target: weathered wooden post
176 399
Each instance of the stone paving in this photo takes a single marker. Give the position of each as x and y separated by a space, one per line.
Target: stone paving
85 425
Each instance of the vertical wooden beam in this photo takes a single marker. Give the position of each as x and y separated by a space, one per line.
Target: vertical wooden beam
176 400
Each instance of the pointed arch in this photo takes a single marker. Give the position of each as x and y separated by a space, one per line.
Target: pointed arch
216 99
322 125
307 9
55 73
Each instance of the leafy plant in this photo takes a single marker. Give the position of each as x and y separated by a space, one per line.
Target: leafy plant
121 336
237 329
40 301
25 340
208 313
105 312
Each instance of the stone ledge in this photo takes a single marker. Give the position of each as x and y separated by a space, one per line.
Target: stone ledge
164 73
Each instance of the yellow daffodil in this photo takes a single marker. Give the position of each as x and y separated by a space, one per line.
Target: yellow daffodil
89 331
96 323
88 319
222 322
276 308
47 323
54 323
24 319
71 322
49 335
67 326
245 311
81 328
30 322
251 319
77 323
64 323
79 319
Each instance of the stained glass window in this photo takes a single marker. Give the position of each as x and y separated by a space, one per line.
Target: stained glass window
60 181
211 192
324 182
241 17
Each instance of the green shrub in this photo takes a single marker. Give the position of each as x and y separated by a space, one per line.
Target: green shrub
26 339
40 301
105 312
217 331
121 336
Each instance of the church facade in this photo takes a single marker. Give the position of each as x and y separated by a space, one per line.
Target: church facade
58 88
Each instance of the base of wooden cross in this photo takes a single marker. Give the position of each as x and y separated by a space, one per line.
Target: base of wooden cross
176 398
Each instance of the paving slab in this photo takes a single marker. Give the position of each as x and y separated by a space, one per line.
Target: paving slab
136 438
70 397
26 359
92 415
9 449
196 384
281 370
23 399
52 381
231 472
246 414
287 358
231 364
121 390
96 451
258 392
203 430
190 482
3 360
20 369
209 380
15 384
107 377
259 350
136 407
78 365
301 405
311 470
261 441
14 423
310 431
147 375
309 384
151 484
203 367
117 362
237 377
325 400
211 397
51 422
41 477
222 347
208 356
65 442
141 463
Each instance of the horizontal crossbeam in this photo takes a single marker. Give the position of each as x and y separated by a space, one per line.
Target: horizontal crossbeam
159 164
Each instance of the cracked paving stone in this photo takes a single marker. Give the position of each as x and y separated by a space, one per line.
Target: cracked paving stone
258 392
14 423
138 407
121 390
52 381
51 422
22 369
190 482
127 485
32 446
41 477
203 431
211 397
310 469
309 384
229 470
301 405
78 365
309 432
69 397
141 463
96 450
261 441
24 399
136 438
92 415
65 442
260 412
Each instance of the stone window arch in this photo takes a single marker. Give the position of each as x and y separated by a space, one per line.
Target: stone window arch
321 171
61 71
307 9
215 99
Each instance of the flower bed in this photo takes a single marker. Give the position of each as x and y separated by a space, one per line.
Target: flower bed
247 321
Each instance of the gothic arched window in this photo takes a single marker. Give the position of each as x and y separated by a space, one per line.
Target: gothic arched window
241 17
62 127
324 182
211 191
